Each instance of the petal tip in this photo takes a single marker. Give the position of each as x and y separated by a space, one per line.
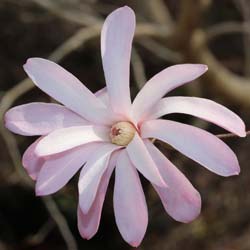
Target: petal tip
234 171
9 123
200 68
126 8
86 236
38 192
28 62
242 129
134 243
205 67
242 133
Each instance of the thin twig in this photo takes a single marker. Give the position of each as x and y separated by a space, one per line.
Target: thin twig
69 13
138 69
61 222
162 52
230 135
226 28
221 136
50 204
10 139
73 43
233 86
244 6
42 233
159 12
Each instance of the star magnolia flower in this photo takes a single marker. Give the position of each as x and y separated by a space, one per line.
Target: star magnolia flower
105 130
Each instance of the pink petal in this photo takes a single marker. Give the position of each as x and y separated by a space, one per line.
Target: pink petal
40 118
165 81
116 42
130 207
59 169
195 143
140 157
202 108
91 175
67 89
66 138
180 199
88 224
31 162
102 95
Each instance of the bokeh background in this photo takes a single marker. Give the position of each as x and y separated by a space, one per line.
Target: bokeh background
215 32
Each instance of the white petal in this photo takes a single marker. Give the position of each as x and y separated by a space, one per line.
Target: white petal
91 175
88 223
67 89
31 162
180 199
195 143
130 207
140 157
202 108
59 169
116 42
165 81
102 95
63 139
40 118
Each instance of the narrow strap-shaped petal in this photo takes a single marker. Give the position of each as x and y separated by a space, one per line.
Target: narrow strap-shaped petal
165 81
31 162
102 95
130 207
91 175
202 108
66 138
116 42
58 169
40 118
140 157
180 199
67 89
195 143
88 224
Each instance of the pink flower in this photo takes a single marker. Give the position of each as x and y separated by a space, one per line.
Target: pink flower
105 130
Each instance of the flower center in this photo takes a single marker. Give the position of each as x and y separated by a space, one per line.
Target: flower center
122 133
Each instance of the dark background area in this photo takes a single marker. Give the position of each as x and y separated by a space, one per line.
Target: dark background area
216 33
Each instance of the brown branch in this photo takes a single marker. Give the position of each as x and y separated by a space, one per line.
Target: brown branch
225 28
50 204
76 14
188 20
230 135
231 85
158 11
161 51
138 69
42 233
244 6
73 43
61 222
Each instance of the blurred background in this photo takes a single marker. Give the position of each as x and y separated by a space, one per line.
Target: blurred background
216 33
